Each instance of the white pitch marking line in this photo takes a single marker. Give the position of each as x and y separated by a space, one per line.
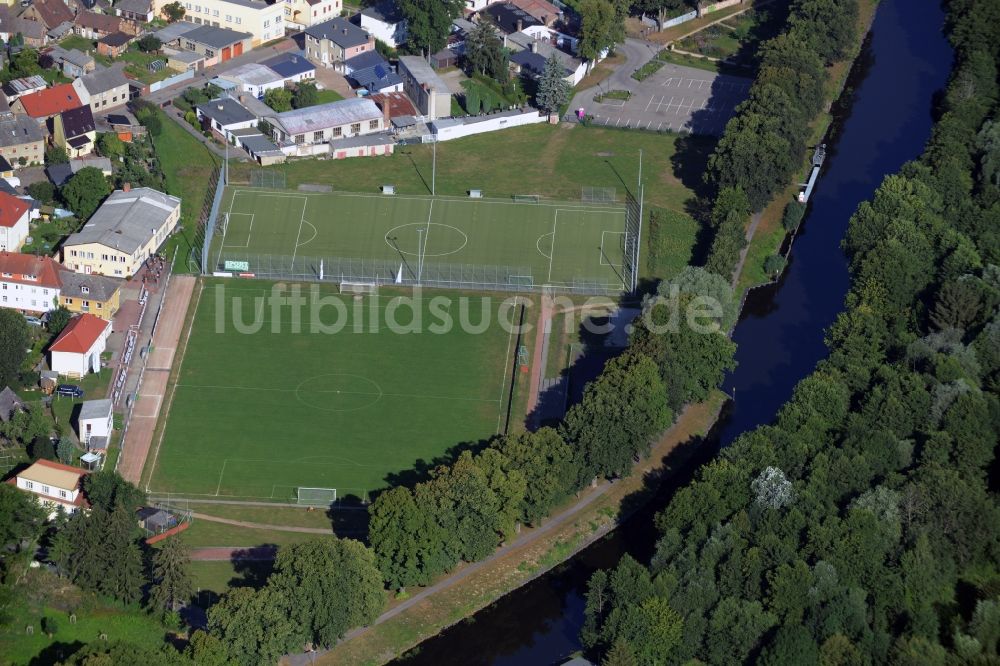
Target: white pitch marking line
221 473
555 221
506 368
301 220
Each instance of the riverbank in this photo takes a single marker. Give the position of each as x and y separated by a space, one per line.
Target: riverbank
459 595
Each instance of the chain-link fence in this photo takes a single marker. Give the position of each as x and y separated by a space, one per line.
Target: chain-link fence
385 272
272 179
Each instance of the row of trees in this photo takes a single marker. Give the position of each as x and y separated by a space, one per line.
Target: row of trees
465 510
860 527
764 142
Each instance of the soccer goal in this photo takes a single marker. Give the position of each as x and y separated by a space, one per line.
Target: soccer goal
359 288
525 198
315 496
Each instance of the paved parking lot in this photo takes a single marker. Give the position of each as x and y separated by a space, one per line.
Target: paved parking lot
675 98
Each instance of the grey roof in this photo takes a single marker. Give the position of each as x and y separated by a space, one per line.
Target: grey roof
77 122
366 59
226 111
95 409
24 85
376 78
95 444
340 31
134 6
256 107
246 131
99 287
102 80
377 139
423 73
8 403
174 31
259 144
289 64
187 57
536 61
252 74
322 116
59 173
126 219
59 31
116 39
216 38
17 129
72 56
102 163
387 12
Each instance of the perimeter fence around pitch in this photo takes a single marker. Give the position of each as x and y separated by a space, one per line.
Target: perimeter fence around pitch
384 272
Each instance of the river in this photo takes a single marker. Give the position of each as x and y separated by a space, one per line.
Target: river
883 122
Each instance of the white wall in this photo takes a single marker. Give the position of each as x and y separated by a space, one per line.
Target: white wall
12 238
391 34
27 297
493 124
98 428
78 365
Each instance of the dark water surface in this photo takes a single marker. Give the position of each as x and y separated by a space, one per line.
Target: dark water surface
882 125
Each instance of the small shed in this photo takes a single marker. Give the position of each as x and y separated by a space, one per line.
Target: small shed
48 380
91 461
155 520
96 419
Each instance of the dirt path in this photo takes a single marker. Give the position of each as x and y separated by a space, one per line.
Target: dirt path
152 388
262 526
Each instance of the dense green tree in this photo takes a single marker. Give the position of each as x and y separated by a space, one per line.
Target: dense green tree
484 51
85 191
149 44
254 626
58 319
66 451
553 88
174 11
599 28
620 654
21 519
830 26
107 489
122 653
56 155
306 94
548 467
172 585
110 145
428 23
43 191
407 541
14 340
279 99
42 448
307 576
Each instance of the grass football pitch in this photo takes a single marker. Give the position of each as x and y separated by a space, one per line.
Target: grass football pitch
255 415
563 244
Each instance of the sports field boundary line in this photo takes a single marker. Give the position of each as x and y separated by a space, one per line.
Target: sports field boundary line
178 363
506 361
560 203
555 225
302 218
604 232
229 221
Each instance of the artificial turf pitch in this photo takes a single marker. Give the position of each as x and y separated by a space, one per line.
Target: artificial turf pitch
544 243
256 415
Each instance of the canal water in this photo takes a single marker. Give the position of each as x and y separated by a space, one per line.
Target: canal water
883 121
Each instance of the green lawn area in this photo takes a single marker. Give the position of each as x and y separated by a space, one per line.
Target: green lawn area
44 595
217 576
208 534
259 414
79 43
553 161
325 96
188 166
490 241
138 65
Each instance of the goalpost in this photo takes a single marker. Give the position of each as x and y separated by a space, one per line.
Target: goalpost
525 198
359 288
315 496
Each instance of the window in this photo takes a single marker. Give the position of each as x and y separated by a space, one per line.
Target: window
373 124
45 489
317 136
355 128
338 131
29 485
69 301
209 53
187 5
267 23
104 257
197 8
62 493
8 275
229 18
300 138
215 12
238 20
73 252
85 290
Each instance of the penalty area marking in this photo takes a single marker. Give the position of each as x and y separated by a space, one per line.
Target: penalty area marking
225 236
604 244
311 238
539 247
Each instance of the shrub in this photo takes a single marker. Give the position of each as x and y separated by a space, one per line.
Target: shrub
793 215
774 264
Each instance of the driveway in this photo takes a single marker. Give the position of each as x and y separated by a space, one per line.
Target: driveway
675 98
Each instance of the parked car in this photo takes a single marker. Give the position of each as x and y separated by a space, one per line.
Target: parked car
32 321
69 390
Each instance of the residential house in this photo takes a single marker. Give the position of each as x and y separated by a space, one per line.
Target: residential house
92 25
102 164
546 12
95 420
379 77
104 88
216 44
263 20
362 61
115 44
75 131
254 78
55 486
258 146
24 86
394 105
326 122
140 11
28 283
222 116
61 31
291 66
430 94
10 404
532 61
14 215
21 138
73 62
385 22
47 103
49 13
126 230
34 34
510 18
337 40
77 351
300 14
97 294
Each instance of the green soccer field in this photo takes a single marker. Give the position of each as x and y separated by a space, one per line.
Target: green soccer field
432 240
257 414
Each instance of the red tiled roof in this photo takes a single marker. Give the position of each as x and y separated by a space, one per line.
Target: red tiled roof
98 22
45 270
50 101
12 209
80 334
52 12
80 500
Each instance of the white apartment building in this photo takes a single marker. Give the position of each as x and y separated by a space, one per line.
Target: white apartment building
29 283
263 20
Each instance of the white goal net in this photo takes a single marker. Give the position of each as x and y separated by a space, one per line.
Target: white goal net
315 496
359 287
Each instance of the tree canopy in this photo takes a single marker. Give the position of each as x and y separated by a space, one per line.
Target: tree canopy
85 191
